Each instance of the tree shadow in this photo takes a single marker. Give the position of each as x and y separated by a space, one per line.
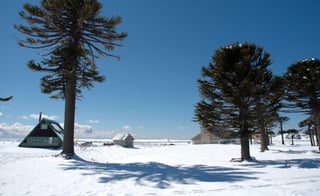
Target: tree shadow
158 175
287 163
296 151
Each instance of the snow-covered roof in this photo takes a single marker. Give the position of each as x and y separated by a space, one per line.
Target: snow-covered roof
121 136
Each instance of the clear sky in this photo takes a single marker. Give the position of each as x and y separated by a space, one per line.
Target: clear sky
152 90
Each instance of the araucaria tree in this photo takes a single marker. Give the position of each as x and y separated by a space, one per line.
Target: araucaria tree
302 89
232 85
73 35
308 123
281 120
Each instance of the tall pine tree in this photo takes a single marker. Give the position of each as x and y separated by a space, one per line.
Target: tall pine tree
229 89
302 89
308 123
74 35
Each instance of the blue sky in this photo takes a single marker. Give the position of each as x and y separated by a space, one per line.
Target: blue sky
152 90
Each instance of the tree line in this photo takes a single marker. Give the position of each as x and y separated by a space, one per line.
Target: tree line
240 94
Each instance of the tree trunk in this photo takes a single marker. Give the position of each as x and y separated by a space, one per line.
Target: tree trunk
263 140
244 134
69 114
310 134
281 130
263 135
316 136
317 127
267 137
313 136
245 148
71 86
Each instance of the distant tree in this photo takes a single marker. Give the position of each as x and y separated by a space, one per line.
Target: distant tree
271 135
229 90
6 99
281 120
292 133
73 34
308 123
303 89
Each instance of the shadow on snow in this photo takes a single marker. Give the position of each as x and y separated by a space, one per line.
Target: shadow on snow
158 175
300 163
283 163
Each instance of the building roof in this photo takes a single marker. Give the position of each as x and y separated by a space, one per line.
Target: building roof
196 137
55 127
51 129
122 136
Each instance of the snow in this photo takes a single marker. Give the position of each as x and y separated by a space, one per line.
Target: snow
120 136
309 59
232 45
160 168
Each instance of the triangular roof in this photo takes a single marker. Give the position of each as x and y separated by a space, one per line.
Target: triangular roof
55 126
196 137
121 136
47 133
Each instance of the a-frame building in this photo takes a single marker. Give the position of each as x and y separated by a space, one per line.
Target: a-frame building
47 133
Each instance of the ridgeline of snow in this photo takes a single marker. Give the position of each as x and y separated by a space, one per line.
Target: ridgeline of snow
160 168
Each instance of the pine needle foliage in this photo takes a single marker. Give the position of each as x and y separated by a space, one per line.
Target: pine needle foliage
302 89
73 34
234 81
69 30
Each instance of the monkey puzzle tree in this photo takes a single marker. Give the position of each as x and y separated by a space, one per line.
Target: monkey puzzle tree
292 133
302 89
308 123
74 35
232 84
281 120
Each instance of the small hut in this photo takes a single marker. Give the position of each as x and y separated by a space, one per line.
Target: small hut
47 133
124 140
214 136
206 137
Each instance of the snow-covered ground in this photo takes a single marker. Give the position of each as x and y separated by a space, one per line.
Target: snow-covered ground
153 169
